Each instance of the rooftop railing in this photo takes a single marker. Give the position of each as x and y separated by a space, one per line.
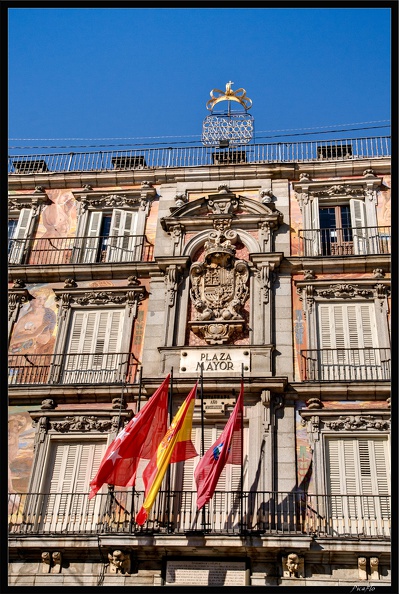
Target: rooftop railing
80 250
344 242
335 365
197 156
66 368
175 512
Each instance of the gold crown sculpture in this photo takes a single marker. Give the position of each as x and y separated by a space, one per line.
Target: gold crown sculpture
229 95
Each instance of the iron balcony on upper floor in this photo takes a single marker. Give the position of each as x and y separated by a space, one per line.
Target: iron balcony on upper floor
337 365
79 250
359 241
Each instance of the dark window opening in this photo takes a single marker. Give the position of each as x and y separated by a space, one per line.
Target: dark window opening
137 162
334 152
229 157
336 230
30 166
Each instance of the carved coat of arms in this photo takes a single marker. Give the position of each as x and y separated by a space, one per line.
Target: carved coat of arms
219 288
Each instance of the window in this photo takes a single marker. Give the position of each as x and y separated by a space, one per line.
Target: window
225 504
358 484
71 466
111 237
340 229
18 230
347 336
93 347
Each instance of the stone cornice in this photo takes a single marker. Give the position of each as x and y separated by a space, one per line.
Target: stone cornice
125 198
75 296
34 200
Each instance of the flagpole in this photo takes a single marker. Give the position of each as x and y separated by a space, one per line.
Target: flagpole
168 471
140 384
242 448
202 430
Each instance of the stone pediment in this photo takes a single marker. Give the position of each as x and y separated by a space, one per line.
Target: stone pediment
197 214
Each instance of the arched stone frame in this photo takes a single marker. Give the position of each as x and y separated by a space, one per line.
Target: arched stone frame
137 200
261 267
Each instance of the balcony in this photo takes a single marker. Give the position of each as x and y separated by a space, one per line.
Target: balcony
64 368
197 156
344 242
80 250
257 513
337 365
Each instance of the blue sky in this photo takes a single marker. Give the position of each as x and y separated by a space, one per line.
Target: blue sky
132 72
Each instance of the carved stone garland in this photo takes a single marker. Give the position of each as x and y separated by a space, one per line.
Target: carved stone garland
218 288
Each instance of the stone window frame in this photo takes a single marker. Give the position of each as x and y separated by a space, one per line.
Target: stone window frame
337 192
314 291
72 298
35 200
322 423
137 200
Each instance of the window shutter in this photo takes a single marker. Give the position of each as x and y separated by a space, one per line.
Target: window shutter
20 234
359 224
123 240
93 346
71 467
314 206
93 237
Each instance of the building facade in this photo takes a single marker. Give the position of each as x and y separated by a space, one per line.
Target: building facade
267 261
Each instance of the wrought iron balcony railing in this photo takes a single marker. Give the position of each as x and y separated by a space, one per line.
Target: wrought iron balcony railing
273 513
80 250
64 368
344 242
197 156
334 365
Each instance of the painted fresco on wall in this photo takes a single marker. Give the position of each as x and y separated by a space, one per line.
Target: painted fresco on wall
20 448
384 203
35 330
303 453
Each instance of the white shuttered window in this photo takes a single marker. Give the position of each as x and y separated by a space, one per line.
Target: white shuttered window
93 347
347 336
358 483
17 243
71 467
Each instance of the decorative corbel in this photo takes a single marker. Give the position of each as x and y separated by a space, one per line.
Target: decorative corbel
265 397
119 562
176 233
172 282
57 562
46 562
306 295
133 299
41 426
381 293
293 566
16 298
147 193
374 572
313 428
362 566
265 275
63 303
264 233
181 199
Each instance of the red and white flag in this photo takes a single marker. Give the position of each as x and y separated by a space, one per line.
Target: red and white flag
227 449
138 440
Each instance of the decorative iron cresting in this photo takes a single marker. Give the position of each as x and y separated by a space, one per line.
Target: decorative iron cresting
228 128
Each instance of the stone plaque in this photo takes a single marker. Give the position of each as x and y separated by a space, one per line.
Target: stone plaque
215 361
205 573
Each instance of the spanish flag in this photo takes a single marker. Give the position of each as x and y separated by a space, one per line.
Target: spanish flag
176 446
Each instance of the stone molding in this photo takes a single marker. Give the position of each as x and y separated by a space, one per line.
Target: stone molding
344 421
132 198
72 296
33 201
